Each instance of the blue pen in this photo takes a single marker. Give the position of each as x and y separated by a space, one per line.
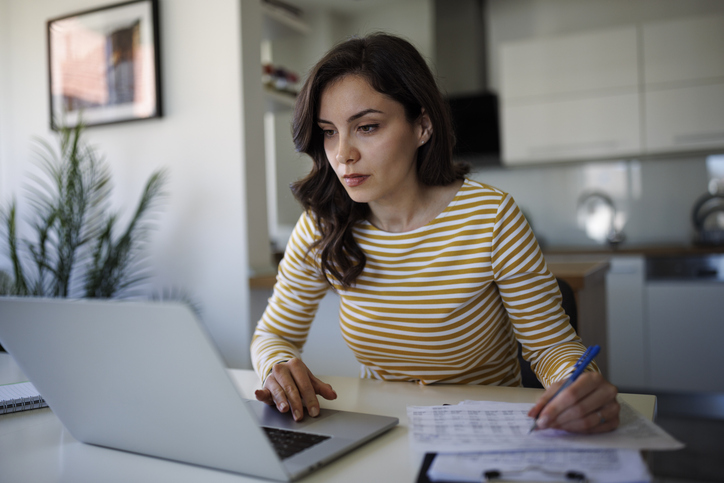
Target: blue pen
580 366
582 358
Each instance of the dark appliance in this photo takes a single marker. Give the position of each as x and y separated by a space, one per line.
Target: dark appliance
477 131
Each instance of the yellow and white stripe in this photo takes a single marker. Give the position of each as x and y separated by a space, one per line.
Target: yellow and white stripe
444 303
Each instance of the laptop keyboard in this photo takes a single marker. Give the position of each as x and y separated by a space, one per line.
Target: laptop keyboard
288 443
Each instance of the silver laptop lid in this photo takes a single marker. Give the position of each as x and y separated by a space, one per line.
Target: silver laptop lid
140 377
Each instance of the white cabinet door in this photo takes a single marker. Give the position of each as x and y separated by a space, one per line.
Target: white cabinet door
576 97
682 50
571 130
685 335
627 356
571 98
580 63
685 118
683 63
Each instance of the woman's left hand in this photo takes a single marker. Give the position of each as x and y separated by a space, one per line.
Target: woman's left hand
588 405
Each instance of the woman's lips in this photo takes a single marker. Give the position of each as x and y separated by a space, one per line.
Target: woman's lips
353 180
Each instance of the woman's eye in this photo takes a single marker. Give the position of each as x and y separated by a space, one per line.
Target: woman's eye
328 133
368 128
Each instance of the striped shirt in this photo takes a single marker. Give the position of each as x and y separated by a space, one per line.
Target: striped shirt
444 303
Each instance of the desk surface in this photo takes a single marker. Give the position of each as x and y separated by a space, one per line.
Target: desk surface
34 446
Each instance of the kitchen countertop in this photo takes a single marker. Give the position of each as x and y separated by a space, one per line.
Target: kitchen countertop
578 271
645 250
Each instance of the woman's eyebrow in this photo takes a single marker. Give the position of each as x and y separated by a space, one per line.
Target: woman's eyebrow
353 117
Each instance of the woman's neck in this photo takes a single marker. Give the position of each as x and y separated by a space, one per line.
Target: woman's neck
415 209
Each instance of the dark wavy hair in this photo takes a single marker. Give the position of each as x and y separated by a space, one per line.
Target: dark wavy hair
393 67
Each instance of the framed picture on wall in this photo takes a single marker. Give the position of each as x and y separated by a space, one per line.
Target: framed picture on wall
104 65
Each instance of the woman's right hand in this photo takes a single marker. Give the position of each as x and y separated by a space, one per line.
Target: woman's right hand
291 385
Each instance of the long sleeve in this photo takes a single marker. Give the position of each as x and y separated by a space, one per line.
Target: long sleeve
282 331
532 298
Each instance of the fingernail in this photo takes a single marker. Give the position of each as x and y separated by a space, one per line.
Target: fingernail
542 422
297 415
283 407
314 411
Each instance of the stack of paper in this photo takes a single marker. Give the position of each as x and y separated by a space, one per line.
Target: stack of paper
475 437
603 465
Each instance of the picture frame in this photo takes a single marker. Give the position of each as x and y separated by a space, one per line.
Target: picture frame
104 65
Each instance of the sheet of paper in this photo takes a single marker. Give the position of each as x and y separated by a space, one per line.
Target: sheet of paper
475 426
10 392
598 466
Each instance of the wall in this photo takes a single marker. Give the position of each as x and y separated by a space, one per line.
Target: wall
200 244
656 194
460 71
4 77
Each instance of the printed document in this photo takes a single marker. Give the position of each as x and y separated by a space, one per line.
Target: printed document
597 466
478 426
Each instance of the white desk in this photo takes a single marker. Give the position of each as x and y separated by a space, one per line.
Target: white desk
34 446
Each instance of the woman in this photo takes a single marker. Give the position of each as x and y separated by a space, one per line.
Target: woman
438 275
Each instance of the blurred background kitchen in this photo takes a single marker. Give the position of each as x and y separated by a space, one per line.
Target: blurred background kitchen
603 118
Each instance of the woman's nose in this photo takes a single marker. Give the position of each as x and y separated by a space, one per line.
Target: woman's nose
346 152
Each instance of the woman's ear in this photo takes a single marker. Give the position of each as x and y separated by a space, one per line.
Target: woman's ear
425 127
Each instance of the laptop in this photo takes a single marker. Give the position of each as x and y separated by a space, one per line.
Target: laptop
145 377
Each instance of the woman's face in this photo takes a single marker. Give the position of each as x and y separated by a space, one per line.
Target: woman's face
369 142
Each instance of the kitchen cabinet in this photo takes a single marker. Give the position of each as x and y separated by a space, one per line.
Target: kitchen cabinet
572 129
684 303
685 118
686 332
571 97
684 84
649 88
664 326
683 50
586 64
627 334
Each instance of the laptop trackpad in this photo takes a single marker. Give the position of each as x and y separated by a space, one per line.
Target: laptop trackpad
270 417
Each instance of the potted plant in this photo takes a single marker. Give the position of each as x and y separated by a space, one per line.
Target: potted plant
76 247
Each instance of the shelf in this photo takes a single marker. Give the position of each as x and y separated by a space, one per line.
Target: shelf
279 23
278 101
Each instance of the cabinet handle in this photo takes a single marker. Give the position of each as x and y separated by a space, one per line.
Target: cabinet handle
552 149
701 137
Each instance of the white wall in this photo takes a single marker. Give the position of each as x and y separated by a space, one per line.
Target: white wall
4 77
655 195
410 19
200 246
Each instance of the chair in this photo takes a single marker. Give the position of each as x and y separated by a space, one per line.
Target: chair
569 306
